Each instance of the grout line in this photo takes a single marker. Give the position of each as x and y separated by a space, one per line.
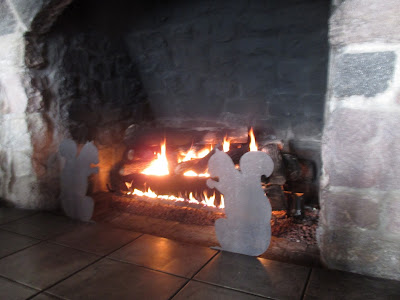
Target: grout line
145 267
190 279
174 294
20 218
79 270
232 289
218 252
17 251
303 294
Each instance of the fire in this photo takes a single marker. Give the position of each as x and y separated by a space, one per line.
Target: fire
226 145
207 201
194 174
253 145
159 166
192 154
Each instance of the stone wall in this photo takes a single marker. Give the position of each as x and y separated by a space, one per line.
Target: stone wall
359 227
262 63
28 167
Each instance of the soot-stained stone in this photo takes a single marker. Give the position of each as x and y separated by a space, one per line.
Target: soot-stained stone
366 74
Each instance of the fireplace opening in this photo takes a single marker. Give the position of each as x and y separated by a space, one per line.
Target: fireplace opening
129 76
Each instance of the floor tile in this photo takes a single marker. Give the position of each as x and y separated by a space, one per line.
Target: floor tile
197 290
258 276
44 296
11 242
8 214
96 238
328 284
44 264
11 290
109 279
41 225
165 255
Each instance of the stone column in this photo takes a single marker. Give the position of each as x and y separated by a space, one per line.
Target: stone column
359 228
28 141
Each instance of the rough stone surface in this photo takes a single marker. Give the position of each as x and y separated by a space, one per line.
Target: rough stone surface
358 21
8 23
366 74
258 64
359 251
358 149
392 215
351 209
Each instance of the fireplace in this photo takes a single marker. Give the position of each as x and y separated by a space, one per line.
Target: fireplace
91 70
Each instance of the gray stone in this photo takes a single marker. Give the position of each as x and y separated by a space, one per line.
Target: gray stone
360 21
358 149
366 74
8 22
359 251
351 209
392 215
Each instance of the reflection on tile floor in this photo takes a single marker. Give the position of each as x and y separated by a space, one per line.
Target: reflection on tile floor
45 256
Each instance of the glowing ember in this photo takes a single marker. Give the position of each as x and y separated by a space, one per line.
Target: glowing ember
194 174
226 145
253 145
207 201
158 167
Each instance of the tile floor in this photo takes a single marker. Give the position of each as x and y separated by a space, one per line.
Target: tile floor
47 256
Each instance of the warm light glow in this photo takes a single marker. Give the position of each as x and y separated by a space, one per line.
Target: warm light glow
222 204
159 166
194 174
226 145
253 145
207 201
192 154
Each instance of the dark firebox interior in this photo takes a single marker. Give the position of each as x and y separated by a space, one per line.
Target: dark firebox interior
260 64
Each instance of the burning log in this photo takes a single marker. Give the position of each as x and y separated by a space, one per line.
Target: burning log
199 165
169 184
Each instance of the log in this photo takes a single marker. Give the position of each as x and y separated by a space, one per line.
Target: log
298 169
168 184
199 165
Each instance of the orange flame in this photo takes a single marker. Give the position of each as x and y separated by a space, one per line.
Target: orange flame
159 166
226 145
207 201
253 145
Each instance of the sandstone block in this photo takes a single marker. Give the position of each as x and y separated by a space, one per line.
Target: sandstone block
359 21
351 209
359 149
359 251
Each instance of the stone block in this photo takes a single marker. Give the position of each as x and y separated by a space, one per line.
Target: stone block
313 44
349 209
8 22
359 251
366 74
363 21
391 214
359 149
293 76
258 45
